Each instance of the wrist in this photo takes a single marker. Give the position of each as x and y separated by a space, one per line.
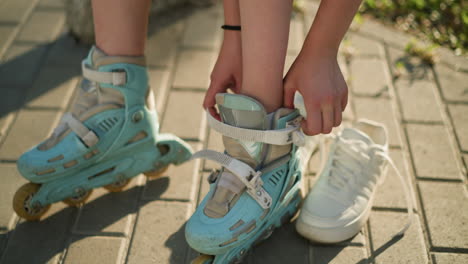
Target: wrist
319 48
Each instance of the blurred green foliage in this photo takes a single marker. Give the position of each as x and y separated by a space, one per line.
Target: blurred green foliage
444 22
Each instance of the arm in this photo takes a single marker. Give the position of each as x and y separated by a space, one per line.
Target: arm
227 72
316 73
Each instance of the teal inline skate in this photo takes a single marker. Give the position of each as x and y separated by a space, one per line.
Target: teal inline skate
110 136
258 188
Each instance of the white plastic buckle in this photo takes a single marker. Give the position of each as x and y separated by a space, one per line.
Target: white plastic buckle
90 139
254 189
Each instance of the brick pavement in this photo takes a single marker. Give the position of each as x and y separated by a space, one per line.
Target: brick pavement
425 109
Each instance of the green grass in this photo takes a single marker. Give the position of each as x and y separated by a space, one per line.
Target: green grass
444 22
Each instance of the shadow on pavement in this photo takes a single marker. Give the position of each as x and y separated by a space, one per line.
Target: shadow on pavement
41 242
24 62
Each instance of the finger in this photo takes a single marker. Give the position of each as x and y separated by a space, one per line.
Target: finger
214 113
210 96
327 118
288 97
338 115
313 124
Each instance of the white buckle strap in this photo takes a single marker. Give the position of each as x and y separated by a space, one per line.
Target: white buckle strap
248 176
114 78
87 135
285 136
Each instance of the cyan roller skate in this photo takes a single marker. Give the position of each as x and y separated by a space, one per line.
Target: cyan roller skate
110 136
258 188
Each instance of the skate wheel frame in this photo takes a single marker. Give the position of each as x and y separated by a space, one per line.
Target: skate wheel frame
117 186
203 259
78 200
21 203
156 173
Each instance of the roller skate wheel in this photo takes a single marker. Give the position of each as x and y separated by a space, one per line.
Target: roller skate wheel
117 186
21 203
203 259
156 173
79 199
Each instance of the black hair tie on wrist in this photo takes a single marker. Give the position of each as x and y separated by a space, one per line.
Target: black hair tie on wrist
230 27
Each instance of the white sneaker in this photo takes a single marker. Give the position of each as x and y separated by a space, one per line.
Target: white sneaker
340 202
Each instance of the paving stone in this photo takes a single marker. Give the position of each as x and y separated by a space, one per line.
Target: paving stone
391 194
107 212
52 3
379 110
447 258
409 249
178 183
202 30
368 76
418 100
7 33
177 119
20 138
273 249
454 85
5 120
338 255
290 58
159 83
446 209
159 234
162 43
459 114
384 33
465 158
408 67
42 26
429 143
53 87
3 242
98 250
363 46
15 10
64 51
20 65
296 35
40 242
310 9
11 182
193 69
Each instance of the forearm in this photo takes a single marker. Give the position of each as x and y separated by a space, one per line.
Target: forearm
231 12
330 25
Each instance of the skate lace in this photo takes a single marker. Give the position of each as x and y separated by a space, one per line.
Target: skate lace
350 156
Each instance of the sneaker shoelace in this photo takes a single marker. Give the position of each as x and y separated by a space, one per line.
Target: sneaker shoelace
350 157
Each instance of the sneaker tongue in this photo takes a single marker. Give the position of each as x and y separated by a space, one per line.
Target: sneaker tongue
355 134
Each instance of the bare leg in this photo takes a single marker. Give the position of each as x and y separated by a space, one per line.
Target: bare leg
265 30
121 26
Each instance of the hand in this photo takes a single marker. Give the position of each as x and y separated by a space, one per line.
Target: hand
321 83
227 72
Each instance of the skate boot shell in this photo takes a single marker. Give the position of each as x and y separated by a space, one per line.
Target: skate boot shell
258 187
110 136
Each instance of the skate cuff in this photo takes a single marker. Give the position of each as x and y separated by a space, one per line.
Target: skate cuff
248 176
85 134
114 78
290 134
